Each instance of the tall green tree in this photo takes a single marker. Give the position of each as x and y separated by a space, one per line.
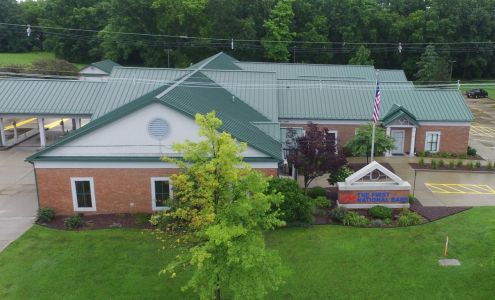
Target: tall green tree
278 34
74 46
431 67
13 39
362 57
360 143
225 208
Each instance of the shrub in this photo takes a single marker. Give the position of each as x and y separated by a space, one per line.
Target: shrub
421 161
296 206
340 175
462 156
460 163
471 151
45 214
338 214
477 164
316 192
421 153
441 163
354 219
54 67
409 218
142 219
410 198
434 164
451 164
163 220
387 221
489 165
377 223
470 165
380 212
445 154
73 222
321 202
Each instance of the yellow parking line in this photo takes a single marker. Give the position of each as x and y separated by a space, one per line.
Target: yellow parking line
18 124
457 188
55 124
430 186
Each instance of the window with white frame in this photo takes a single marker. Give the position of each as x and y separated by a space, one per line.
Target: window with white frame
432 143
161 192
83 194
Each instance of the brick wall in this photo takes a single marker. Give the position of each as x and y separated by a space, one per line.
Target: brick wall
344 132
116 190
453 139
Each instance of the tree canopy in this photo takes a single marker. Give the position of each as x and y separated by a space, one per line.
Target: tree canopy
315 154
360 143
222 209
310 31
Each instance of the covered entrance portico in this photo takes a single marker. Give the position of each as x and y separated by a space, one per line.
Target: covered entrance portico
401 125
15 129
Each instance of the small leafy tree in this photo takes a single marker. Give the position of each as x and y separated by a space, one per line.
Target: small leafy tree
222 209
314 154
360 144
431 67
278 34
362 57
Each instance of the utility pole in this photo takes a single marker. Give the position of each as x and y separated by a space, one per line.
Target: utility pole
294 54
451 67
168 57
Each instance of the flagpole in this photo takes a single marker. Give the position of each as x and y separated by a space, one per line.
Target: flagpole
374 123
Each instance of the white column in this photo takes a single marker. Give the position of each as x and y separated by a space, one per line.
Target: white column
78 123
388 153
413 141
3 140
14 124
41 127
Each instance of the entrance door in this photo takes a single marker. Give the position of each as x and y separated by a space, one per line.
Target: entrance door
398 136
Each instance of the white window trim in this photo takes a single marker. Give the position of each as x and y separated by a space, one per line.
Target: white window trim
438 143
153 198
73 181
336 133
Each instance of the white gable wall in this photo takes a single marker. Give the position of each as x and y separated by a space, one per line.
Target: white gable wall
90 70
129 136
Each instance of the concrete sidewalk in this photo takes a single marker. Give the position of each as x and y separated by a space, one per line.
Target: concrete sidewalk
18 200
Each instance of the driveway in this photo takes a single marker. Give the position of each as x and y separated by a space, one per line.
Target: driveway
482 135
18 200
447 188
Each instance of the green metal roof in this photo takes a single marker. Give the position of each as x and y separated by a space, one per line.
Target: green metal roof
49 97
270 128
105 65
391 75
292 71
396 112
353 100
236 116
222 61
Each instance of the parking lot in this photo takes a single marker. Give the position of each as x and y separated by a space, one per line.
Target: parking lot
482 135
440 188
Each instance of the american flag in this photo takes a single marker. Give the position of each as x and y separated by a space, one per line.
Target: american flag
376 105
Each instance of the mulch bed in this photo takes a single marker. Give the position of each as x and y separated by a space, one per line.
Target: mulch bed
104 221
417 166
357 166
432 213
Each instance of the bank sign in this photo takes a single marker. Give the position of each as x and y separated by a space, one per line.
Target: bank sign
374 197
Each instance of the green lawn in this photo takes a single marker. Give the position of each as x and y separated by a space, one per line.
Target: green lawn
27 58
327 262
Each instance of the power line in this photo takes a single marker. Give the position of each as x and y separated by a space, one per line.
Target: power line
228 41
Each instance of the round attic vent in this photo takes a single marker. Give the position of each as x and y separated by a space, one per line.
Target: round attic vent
158 128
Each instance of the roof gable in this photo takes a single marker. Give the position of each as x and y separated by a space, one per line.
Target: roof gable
397 112
105 65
